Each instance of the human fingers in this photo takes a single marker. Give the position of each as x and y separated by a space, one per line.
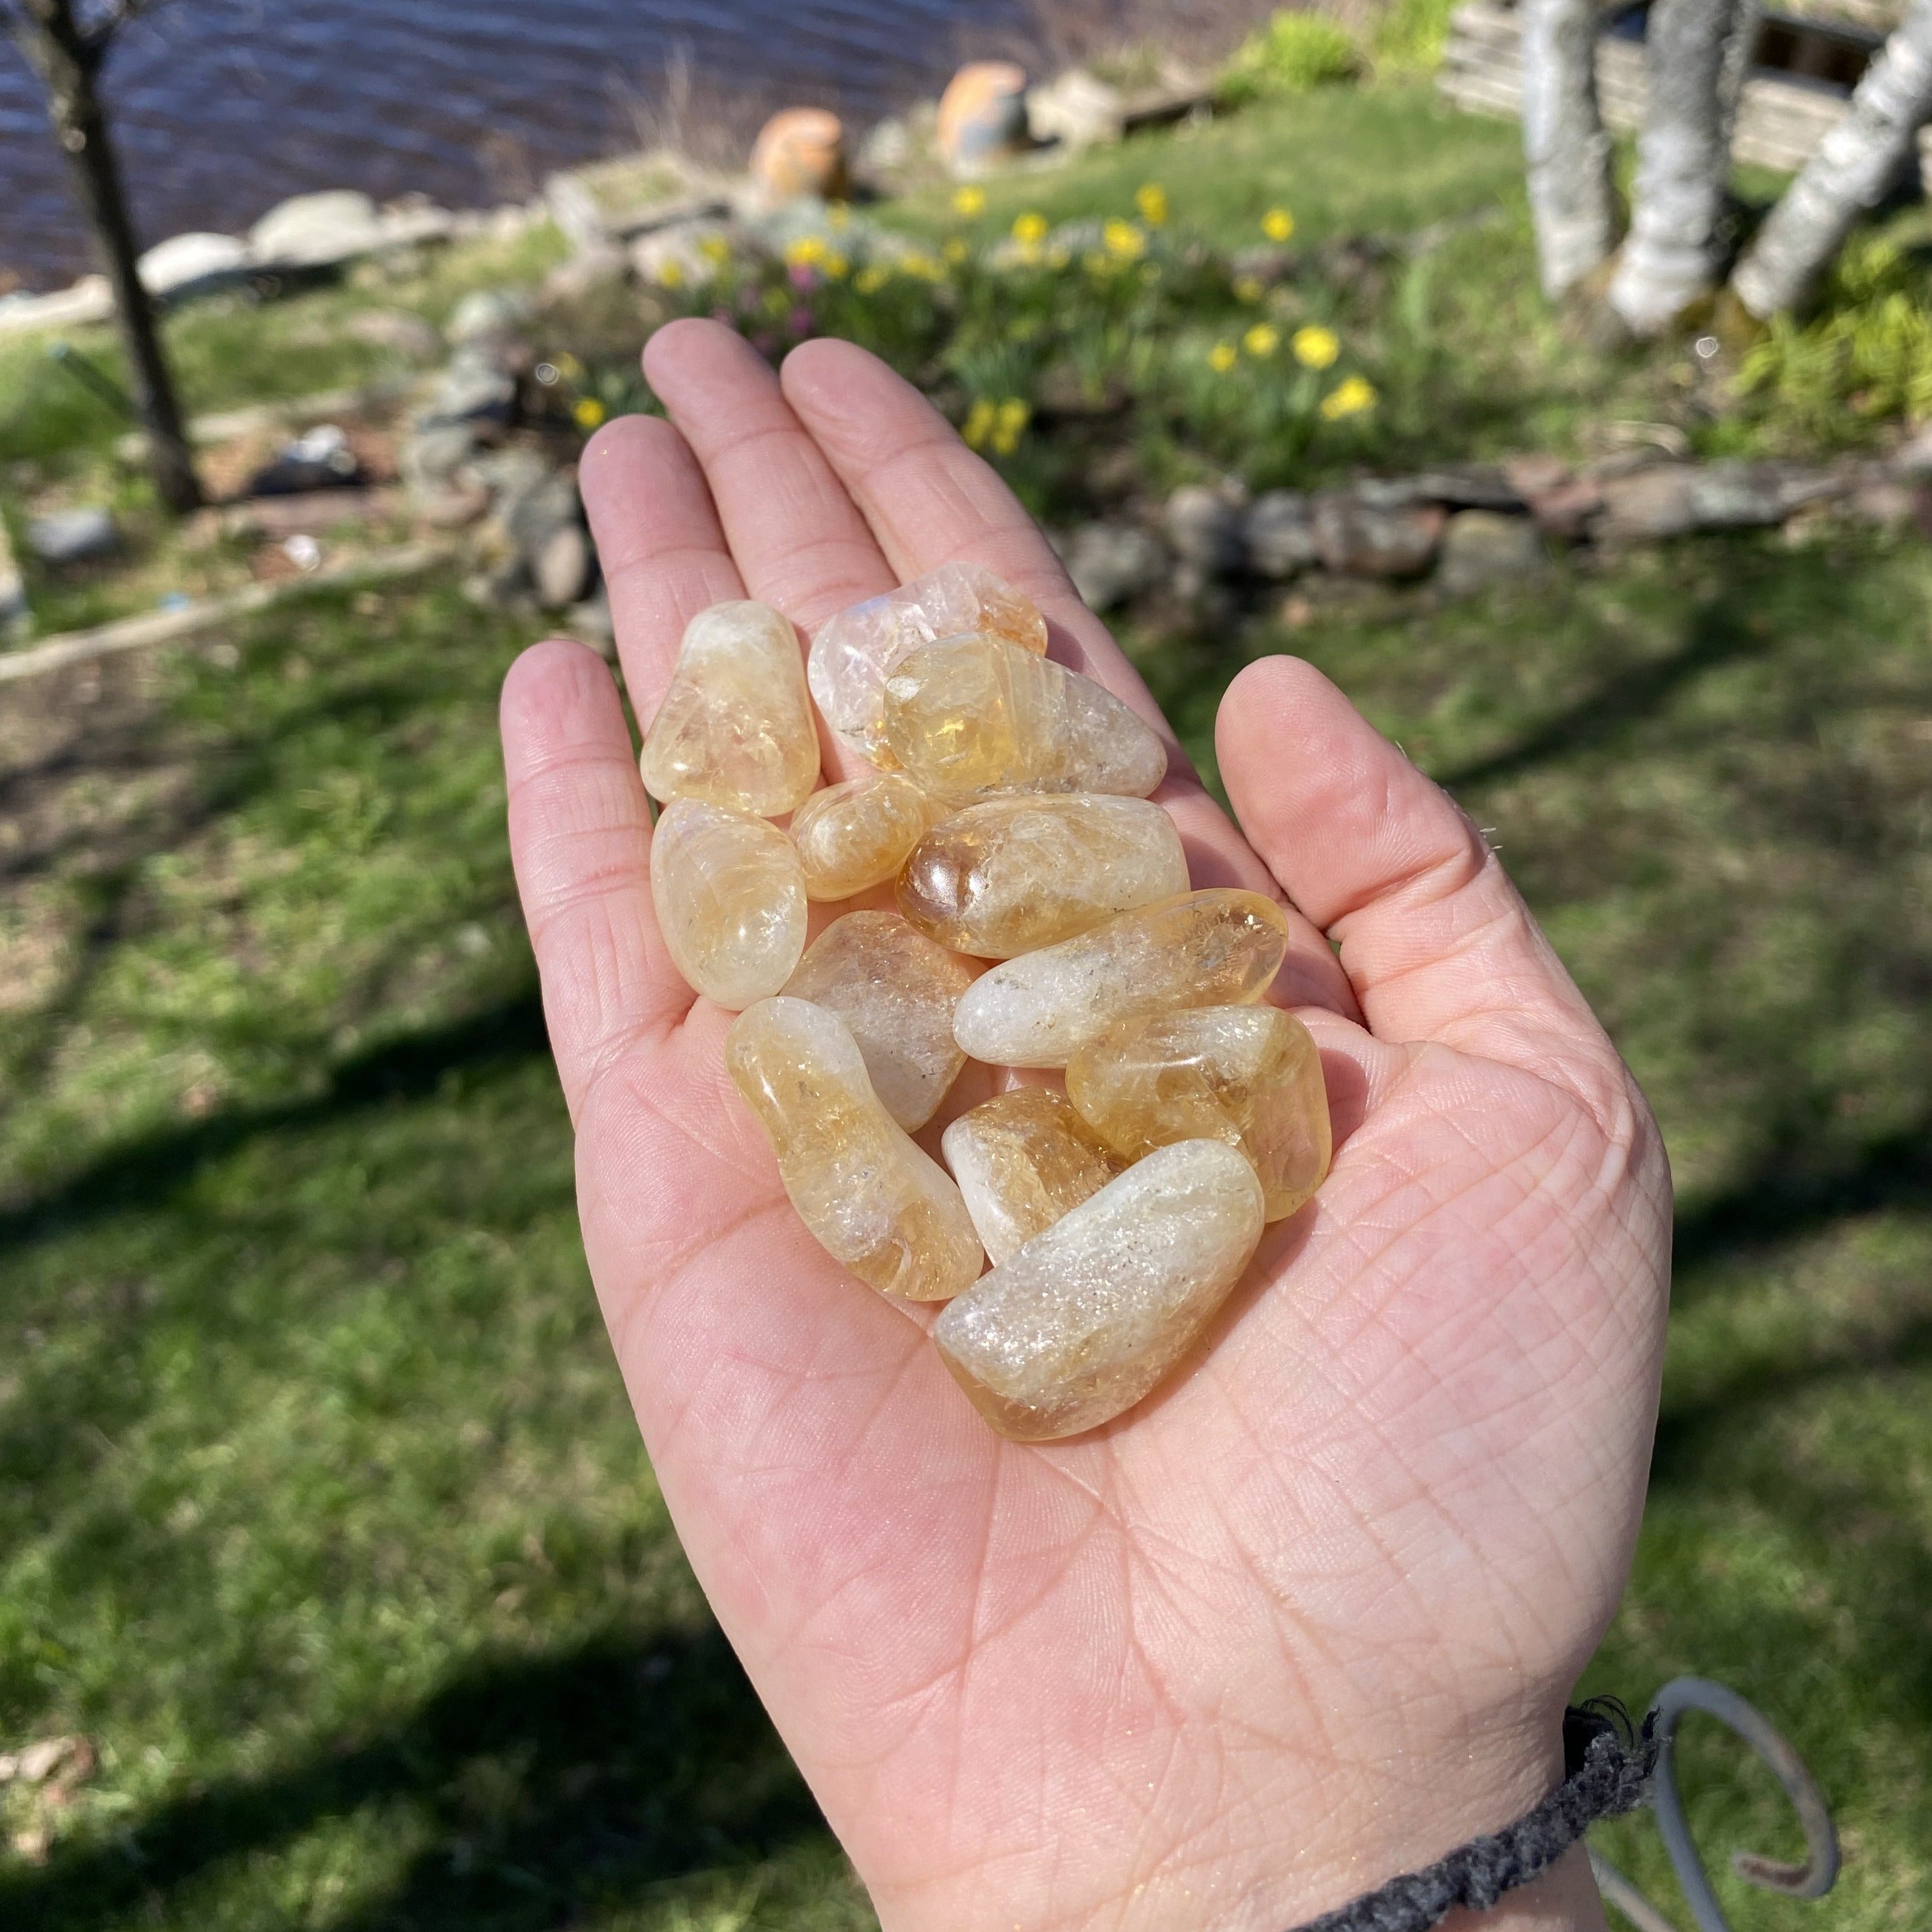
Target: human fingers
1435 939
930 501
579 839
799 542
663 553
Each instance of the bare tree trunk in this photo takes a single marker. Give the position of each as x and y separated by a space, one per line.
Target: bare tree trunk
68 59
1696 56
1851 169
1568 153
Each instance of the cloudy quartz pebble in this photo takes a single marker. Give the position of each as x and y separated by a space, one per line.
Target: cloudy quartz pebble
729 899
1219 947
856 651
974 715
895 989
1085 1319
1016 873
1022 1159
1249 1076
871 1199
735 727
855 835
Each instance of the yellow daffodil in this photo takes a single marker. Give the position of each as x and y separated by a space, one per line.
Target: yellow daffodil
1223 357
835 265
1010 421
1029 229
969 202
1315 347
980 419
670 273
1151 200
567 365
955 250
588 412
1247 289
871 279
715 248
1264 339
806 252
1277 224
1350 399
1123 241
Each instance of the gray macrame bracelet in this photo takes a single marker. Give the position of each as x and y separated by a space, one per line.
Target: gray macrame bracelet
1606 1765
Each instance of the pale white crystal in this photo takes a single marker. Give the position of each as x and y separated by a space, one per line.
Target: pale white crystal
896 989
871 1198
1086 1318
856 651
730 898
1207 949
734 726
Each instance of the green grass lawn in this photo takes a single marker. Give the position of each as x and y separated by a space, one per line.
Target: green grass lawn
320 1508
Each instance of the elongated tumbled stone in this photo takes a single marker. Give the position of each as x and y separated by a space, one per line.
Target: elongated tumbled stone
1087 1317
856 652
729 899
735 727
855 835
1220 947
895 989
871 1199
1016 873
970 716
1249 1076
1022 1159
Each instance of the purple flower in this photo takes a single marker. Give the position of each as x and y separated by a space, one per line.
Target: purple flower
803 276
799 322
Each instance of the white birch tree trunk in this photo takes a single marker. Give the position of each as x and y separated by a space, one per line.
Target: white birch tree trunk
1571 199
1695 62
1849 172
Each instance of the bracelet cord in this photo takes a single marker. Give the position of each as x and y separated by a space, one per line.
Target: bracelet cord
1607 1762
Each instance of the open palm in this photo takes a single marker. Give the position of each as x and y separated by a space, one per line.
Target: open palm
1308 1617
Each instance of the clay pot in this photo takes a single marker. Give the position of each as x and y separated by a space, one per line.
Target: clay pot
982 116
799 151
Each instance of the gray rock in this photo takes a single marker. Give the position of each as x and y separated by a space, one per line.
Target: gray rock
73 536
89 300
887 148
1483 548
562 568
317 230
1669 500
1111 562
1204 526
1279 532
1078 110
192 265
488 316
1358 537
473 388
434 452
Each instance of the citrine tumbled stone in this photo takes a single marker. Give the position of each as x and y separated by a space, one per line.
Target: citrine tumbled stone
970 716
729 899
896 990
735 726
1023 1160
1084 1320
873 1199
1220 947
1249 1076
855 652
1025 871
857 834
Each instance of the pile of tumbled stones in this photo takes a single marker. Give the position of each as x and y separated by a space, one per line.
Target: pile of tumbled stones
1005 800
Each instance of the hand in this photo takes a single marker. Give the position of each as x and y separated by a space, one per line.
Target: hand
1308 1617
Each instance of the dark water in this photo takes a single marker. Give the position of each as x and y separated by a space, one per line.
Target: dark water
224 106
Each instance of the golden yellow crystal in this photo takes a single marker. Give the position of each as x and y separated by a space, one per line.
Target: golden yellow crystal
1220 947
856 652
1023 871
871 1199
855 835
1022 1159
729 899
895 989
735 725
974 715
1085 1319
1249 1076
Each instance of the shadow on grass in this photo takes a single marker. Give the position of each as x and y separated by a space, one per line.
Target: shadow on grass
533 1785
